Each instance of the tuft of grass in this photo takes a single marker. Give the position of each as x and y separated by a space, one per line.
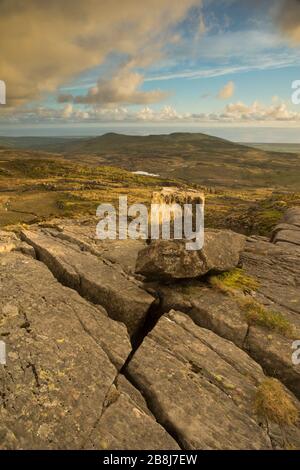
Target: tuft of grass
235 280
272 402
238 284
257 314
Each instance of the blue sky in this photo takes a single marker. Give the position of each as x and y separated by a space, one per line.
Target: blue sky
205 63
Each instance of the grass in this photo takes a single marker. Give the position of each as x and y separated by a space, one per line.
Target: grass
272 402
238 284
196 158
28 177
249 212
257 314
38 189
235 280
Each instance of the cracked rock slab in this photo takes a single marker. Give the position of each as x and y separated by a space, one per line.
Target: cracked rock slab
62 356
61 387
224 315
288 230
127 424
95 279
122 253
199 386
208 308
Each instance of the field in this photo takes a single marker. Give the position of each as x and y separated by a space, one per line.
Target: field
195 158
246 189
36 186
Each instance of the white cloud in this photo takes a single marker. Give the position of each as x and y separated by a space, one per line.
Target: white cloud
227 91
240 112
122 88
237 113
263 62
49 43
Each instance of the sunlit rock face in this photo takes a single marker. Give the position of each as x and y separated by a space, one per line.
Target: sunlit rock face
169 208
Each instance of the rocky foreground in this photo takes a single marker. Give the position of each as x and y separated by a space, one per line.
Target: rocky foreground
112 345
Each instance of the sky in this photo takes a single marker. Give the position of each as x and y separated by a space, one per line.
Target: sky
82 66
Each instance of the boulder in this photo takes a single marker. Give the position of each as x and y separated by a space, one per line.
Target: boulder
170 260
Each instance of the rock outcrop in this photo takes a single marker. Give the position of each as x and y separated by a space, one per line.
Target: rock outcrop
201 386
96 279
61 387
99 357
288 231
167 260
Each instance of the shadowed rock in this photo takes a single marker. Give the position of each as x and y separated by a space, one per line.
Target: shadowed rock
167 260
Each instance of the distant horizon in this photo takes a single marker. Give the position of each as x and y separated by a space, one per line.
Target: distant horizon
228 68
255 135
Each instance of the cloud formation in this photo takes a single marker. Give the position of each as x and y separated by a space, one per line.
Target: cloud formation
227 91
121 88
44 44
233 113
287 16
240 112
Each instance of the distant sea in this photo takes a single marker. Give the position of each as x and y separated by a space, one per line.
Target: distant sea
235 134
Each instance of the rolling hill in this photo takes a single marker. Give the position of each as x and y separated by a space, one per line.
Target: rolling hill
194 157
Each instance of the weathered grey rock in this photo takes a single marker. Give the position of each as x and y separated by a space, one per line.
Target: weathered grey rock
274 352
127 424
10 242
221 314
62 356
95 279
167 260
61 387
288 230
284 226
200 386
288 236
123 253
208 308
292 216
277 270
